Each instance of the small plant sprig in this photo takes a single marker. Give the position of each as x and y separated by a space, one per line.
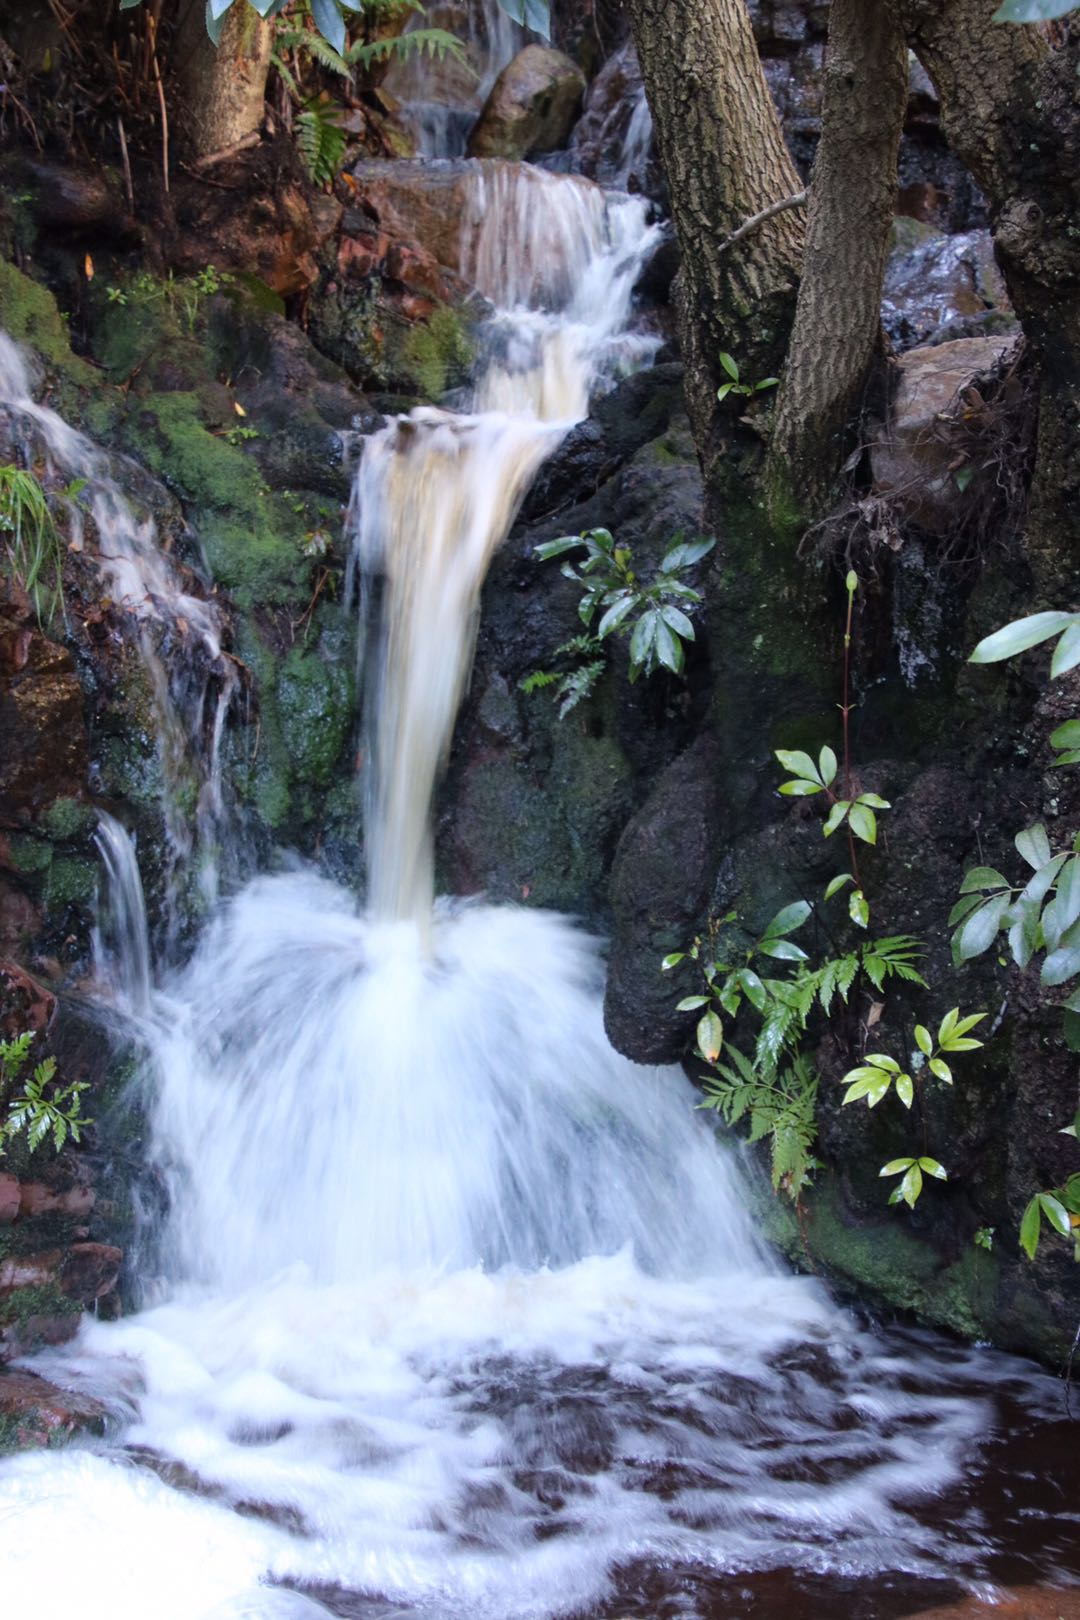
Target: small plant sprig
649 614
43 1107
855 811
735 384
875 1076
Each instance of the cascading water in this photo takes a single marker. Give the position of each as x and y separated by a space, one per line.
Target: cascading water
194 687
467 1317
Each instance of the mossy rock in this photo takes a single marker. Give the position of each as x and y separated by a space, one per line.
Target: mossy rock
316 703
29 315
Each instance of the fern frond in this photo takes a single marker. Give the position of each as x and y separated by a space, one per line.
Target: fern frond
321 140
305 39
435 42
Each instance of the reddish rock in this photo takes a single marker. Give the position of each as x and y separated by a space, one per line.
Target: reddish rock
414 202
1026 1603
41 723
89 1270
24 1004
37 1413
35 1198
9 1199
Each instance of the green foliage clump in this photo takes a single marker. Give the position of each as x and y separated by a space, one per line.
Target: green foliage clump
42 1107
32 544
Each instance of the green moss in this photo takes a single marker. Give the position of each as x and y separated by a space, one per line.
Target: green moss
437 353
28 313
69 818
29 855
71 882
42 1299
316 705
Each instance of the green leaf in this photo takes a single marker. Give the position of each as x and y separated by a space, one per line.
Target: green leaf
911 1186
1029 11
1067 652
784 950
615 616
724 390
1033 845
686 553
859 909
672 960
827 766
923 1040
939 1067
799 788
1071 1024
669 649
729 366
983 877
710 1037
1068 892
1067 735
755 991
905 1090
980 930
874 800
799 764
1038 884
688 1003
555 548
1061 965
643 638
766 382
863 823
895 1167
835 817
329 21
1030 1226
837 883
873 1084
933 1168
881 1060
1018 636
788 919
677 621
1056 1213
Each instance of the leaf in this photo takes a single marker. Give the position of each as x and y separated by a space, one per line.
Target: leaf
671 960
1068 892
873 1084
1067 735
923 1040
1029 11
1061 965
677 621
766 382
1034 845
905 1090
911 1186
799 788
939 1067
724 390
933 1168
859 909
669 649
555 548
963 906
710 1036
1041 881
1056 1213
688 1003
784 950
788 919
881 1060
329 21
799 764
827 766
1030 1226
835 817
615 616
837 883
863 823
1018 636
685 554
641 642
1067 652
755 991
532 14
729 366
980 930
874 800
983 877
895 1166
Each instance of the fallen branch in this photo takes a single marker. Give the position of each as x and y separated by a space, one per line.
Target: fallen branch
751 224
237 147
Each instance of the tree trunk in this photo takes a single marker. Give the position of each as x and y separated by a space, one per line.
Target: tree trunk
852 197
1011 111
724 156
224 86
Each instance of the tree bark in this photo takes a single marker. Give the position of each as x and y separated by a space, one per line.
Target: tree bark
224 86
724 156
1011 111
852 198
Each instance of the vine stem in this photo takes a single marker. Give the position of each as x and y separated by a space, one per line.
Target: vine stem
845 710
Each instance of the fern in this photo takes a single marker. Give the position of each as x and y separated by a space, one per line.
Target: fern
434 42
304 39
781 1107
321 140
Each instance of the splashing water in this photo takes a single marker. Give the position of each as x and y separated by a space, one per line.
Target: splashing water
194 686
464 1316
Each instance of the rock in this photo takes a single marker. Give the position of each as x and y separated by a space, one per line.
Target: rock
10 1197
914 455
418 203
36 1198
532 105
78 201
88 1271
34 1412
659 890
1025 1603
41 722
267 232
933 281
24 1004
612 140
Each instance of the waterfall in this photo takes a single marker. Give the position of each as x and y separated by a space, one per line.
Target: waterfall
468 1317
121 934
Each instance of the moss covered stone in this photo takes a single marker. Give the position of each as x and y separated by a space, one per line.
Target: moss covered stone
68 818
28 313
71 882
437 354
316 704
29 855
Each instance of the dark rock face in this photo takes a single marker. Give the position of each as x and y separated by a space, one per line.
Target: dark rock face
41 719
660 886
532 106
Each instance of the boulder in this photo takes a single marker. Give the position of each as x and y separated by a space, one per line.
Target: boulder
416 203
938 284
915 453
532 105
41 721
34 1412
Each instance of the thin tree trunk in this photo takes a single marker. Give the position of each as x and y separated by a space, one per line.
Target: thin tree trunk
1010 109
724 156
224 86
852 198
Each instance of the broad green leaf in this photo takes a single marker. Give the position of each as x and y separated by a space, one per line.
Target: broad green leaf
905 1089
837 883
983 877
641 641
1018 636
963 906
980 930
677 621
723 391
671 960
752 985
1023 931
863 823
710 1037
1060 965
788 919
729 366
604 540
940 1068
555 548
895 1167
1030 1226
532 14
328 20
686 553
827 766
923 1040
214 25
835 817
615 616
799 788
784 950
1056 1213
933 1168
911 1186
1067 652
688 1003
766 382
1030 11
1034 845
873 1084
799 764
874 800
1038 884
859 909
1070 757
669 649
881 1060
1067 735
1068 892
1071 1026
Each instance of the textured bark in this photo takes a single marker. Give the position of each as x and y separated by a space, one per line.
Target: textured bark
223 86
852 196
1011 112
724 156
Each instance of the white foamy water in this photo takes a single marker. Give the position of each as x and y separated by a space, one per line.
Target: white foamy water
460 1314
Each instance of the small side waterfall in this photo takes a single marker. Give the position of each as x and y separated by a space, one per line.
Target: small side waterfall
193 688
121 937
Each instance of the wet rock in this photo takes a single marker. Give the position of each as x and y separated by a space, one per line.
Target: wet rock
612 140
417 203
79 201
659 888
10 1198
41 722
34 1412
24 1004
532 105
267 232
913 457
935 282
38 1198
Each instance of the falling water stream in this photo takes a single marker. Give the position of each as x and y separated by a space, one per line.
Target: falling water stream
462 1315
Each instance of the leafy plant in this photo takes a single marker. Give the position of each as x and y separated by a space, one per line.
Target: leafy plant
577 682
43 1107
648 613
1060 1208
875 1077
321 139
781 1106
184 296
31 539
1031 11
330 16
735 385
